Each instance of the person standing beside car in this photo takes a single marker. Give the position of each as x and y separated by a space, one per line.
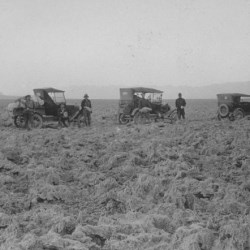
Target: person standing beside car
180 104
86 109
29 106
144 103
63 116
145 107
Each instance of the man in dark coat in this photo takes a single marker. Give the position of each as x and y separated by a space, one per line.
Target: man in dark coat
29 106
87 109
180 103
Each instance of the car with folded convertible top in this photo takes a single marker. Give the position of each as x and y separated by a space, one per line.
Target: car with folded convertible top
47 102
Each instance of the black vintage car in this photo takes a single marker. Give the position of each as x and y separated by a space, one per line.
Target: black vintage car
128 105
233 105
46 106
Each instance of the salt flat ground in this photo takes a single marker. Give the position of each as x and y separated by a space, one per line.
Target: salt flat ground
182 186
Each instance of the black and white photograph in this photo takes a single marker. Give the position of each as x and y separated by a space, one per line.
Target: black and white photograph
125 125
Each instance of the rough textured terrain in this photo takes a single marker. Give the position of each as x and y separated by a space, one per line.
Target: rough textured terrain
158 186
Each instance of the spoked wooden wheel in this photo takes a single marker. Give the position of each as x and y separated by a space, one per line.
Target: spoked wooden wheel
174 116
37 121
81 121
238 114
142 118
19 121
223 110
123 119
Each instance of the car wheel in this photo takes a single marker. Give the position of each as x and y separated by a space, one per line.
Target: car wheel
142 118
81 121
123 119
37 121
137 118
238 114
223 110
19 121
174 116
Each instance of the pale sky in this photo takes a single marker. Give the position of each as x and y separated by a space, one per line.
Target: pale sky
122 42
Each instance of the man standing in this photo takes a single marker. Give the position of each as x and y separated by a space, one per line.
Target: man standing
29 106
87 109
180 103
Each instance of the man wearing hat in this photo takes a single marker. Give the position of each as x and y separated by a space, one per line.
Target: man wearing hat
87 109
29 106
180 104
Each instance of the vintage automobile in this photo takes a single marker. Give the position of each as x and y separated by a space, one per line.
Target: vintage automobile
128 105
47 101
233 105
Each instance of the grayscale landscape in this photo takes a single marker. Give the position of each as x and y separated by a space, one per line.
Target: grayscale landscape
113 166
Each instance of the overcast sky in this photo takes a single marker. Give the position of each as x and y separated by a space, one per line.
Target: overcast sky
122 42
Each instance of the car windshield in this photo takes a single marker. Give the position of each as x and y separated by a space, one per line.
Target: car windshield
37 98
154 97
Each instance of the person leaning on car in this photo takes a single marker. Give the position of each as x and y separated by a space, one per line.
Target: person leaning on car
29 106
145 107
144 103
180 104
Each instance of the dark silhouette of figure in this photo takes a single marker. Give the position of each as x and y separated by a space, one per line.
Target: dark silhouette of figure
180 104
145 107
86 109
62 114
144 102
29 106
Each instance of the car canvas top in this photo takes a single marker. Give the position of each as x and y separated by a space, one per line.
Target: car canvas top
142 90
49 90
233 94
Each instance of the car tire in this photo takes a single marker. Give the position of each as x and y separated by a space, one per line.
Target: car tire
37 121
238 114
223 110
81 121
123 119
174 116
137 118
19 121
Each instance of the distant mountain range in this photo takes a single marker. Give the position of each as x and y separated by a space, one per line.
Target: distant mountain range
170 92
4 97
209 91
